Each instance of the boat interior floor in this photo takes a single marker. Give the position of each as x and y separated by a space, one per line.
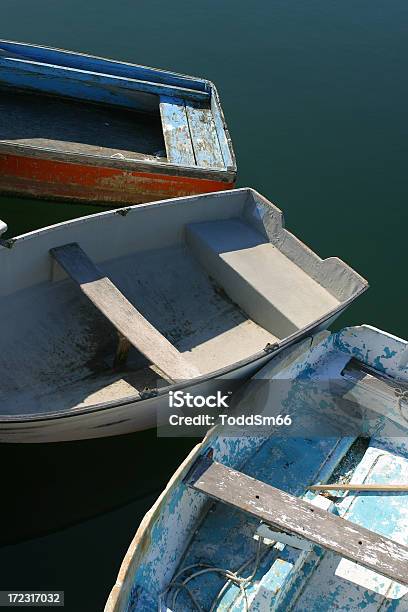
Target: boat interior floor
286 577
209 282
225 537
68 126
71 356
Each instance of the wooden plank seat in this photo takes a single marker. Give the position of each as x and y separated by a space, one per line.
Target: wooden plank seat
129 322
176 132
296 516
190 133
206 145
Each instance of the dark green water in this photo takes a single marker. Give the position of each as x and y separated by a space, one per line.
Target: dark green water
315 95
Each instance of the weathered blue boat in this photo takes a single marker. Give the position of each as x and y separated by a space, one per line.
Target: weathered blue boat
77 127
238 528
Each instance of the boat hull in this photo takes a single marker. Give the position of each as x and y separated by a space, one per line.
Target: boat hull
63 384
117 419
81 128
37 177
133 416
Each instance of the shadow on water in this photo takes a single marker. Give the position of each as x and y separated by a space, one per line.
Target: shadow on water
50 486
83 561
56 488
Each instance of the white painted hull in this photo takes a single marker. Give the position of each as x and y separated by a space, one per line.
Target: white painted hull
115 420
133 416
216 277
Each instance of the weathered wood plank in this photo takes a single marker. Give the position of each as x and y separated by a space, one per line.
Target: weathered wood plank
294 515
206 145
222 132
122 314
176 132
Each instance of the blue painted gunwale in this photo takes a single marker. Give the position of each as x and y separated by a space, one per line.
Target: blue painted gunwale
168 536
16 72
83 61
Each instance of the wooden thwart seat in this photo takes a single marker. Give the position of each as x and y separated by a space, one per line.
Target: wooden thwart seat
291 514
129 322
189 133
206 145
176 132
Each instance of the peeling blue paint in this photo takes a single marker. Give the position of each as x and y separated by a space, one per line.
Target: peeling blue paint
186 531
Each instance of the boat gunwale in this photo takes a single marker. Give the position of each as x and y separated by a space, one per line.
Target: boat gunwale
179 91
123 211
126 164
143 530
200 80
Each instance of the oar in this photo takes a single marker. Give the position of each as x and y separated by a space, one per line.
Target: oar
359 487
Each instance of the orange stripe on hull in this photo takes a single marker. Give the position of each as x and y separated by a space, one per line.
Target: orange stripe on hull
44 178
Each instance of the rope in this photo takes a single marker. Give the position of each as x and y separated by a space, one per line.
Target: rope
241 583
180 585
246 581
218 570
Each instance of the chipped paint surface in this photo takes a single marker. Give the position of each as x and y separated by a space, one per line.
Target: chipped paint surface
183 528
376 348
28 165
38 177
345 585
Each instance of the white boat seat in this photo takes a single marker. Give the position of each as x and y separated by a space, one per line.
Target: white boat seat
129 322
275 292
293 515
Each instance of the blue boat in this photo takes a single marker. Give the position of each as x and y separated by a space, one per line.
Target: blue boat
238 527
81 128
